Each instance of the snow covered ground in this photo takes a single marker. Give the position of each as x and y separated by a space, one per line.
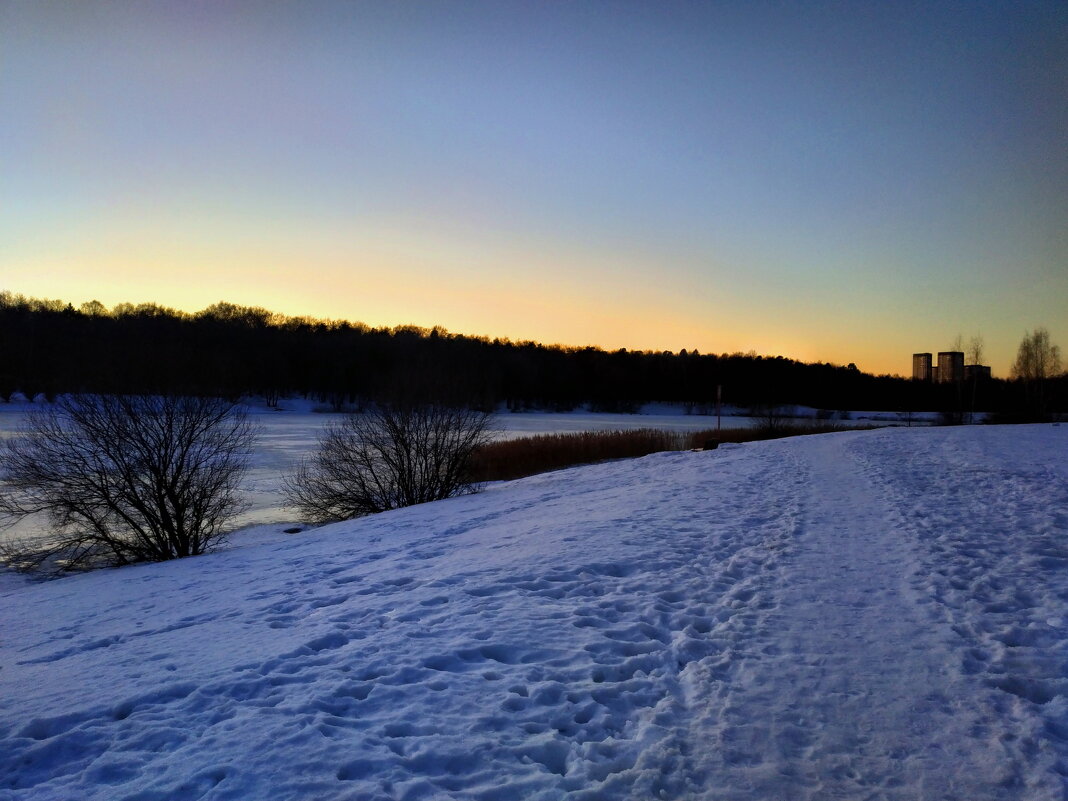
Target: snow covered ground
863 615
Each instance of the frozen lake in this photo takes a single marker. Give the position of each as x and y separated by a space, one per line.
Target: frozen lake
288 434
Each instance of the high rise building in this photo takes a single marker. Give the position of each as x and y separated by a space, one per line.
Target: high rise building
950 366
921 366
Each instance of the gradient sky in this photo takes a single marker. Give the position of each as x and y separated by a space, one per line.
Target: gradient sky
844 182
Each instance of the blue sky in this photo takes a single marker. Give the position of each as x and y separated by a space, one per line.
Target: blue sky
848 182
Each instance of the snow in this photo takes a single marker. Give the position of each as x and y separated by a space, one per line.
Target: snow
876 614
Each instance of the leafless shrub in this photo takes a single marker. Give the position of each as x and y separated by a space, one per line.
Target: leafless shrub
391 456
123 479
772 419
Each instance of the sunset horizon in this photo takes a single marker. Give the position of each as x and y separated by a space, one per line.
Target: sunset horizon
902 370
741 471
846 185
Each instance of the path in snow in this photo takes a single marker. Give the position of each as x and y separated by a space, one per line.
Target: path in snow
862 695
781 620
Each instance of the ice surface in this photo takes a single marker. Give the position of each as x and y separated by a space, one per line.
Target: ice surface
859 615
291 432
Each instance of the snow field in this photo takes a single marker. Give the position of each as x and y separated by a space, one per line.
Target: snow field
992 516
843 616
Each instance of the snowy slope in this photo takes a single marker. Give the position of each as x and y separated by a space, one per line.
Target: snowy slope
859 615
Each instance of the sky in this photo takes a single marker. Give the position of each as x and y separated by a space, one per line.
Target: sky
841 182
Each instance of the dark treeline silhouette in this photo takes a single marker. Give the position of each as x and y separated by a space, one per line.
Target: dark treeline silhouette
51 347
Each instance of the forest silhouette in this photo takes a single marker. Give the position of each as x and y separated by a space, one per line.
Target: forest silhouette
50 347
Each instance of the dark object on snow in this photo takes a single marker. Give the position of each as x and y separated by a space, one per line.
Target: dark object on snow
295 530
711 444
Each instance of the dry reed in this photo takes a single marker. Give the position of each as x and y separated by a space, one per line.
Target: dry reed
525 456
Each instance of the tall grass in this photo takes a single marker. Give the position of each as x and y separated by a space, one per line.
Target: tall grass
500 461
516 458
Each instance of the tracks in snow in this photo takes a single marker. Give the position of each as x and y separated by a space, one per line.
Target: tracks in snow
850 690
773 621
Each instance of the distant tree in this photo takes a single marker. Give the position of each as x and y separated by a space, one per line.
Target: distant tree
772 418
1037 358
94 308
124 479
974 355
391 456
1037 361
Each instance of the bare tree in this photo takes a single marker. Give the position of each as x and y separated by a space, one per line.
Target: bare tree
391 456
1037 359
124 479
771 418
976 348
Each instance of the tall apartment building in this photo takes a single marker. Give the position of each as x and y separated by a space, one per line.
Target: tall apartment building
921 366
948 369
950 366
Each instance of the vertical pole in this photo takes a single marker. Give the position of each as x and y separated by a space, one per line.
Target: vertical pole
719 400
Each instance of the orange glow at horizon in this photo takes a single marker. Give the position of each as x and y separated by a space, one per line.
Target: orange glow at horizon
499 175
493 315
526 290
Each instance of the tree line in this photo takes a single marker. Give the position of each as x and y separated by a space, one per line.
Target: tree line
51 347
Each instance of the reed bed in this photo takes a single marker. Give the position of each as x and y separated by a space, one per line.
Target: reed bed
526 456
